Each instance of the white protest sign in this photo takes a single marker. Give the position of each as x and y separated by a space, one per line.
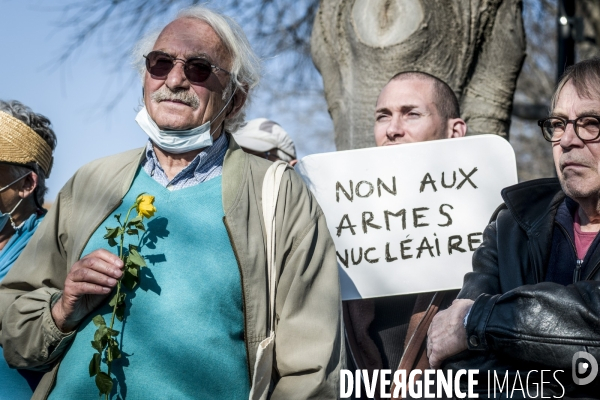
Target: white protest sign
406 219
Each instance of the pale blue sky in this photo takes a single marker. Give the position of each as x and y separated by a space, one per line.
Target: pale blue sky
75 95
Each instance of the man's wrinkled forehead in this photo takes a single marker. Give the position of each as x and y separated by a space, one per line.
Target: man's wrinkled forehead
586 87
190 37
590 98
406 92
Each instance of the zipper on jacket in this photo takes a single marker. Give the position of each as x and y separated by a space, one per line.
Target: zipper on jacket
577 272
237 259
579 263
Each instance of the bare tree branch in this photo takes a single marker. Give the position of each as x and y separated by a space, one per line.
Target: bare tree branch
276 28
280 31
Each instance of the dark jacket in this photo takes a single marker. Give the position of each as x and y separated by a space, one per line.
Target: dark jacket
520 321
390 332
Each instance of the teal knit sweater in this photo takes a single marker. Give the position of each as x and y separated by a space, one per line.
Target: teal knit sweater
183 333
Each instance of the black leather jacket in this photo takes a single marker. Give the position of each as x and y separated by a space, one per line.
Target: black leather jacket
519 321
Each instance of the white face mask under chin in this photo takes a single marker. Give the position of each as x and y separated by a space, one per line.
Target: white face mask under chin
177 142
5 217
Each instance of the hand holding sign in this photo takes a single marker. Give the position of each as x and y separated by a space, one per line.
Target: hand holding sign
406 219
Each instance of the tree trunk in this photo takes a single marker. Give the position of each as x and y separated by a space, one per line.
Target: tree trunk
476 46
589 11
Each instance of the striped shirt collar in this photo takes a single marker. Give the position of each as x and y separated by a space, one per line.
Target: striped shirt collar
206 165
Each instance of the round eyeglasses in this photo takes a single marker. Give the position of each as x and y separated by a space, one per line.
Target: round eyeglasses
587 127
196 69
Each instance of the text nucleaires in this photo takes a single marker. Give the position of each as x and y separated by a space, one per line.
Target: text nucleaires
401 219
408 248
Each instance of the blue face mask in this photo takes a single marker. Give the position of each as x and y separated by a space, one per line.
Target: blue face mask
177 142
5 217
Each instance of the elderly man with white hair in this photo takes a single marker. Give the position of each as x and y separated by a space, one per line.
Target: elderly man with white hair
195 325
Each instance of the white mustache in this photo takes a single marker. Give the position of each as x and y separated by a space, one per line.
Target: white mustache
188 97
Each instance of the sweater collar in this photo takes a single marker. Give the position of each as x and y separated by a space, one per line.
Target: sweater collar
235 173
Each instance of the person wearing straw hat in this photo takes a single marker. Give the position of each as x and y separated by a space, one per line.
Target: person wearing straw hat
267 139
26 145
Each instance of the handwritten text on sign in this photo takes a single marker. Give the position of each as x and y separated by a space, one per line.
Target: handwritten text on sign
406 219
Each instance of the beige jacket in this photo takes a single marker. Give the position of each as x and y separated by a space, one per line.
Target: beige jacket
309 349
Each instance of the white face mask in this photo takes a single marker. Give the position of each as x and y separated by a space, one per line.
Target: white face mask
5 217
178 142
175 141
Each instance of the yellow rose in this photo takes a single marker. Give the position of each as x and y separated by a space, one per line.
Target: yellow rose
145 207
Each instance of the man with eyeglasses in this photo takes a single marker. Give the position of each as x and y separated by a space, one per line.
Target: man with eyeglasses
533 299
193 327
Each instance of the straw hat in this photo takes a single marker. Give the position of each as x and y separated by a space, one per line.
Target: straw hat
19 144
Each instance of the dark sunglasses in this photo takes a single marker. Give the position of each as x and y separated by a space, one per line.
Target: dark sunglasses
196 69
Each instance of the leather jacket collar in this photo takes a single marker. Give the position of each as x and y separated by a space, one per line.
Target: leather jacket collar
531 202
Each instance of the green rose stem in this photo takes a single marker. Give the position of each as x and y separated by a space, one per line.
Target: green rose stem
104 341
112 320
122 242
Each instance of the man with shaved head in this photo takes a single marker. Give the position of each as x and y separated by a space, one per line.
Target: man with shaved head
193 328
412 107
416 107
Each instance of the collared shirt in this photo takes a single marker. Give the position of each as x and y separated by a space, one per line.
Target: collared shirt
205 166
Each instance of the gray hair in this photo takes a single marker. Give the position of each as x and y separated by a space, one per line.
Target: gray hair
245 69
585 77
40 125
